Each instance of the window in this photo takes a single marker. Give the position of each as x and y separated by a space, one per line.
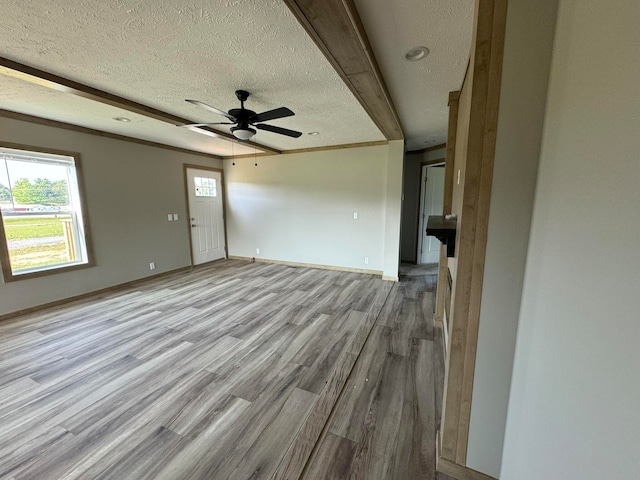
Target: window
205 187
43 228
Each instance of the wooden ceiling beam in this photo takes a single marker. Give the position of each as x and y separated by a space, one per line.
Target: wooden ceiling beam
60 84
336 28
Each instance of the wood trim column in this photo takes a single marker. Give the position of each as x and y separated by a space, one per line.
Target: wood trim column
447 201
485 76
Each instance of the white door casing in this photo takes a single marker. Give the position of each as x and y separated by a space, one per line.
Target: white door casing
431 203
206 220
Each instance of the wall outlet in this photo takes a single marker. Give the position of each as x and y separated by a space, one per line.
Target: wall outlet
169 217
257 251
355 215
366 260
152 266
175 217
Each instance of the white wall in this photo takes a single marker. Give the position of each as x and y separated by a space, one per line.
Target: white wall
574 411
525 74
130 190
393 210
299 207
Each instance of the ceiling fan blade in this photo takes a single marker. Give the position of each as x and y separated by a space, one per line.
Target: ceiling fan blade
211 109
280 130
272 114
204 124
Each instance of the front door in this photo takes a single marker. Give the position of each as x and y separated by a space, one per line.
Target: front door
206 221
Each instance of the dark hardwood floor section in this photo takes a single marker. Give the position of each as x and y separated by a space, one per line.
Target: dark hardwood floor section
230 371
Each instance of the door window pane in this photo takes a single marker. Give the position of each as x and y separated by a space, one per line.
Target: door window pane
205 187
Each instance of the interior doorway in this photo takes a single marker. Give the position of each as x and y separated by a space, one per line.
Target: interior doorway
431 203
204 188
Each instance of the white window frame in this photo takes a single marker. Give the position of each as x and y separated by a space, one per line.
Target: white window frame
78 212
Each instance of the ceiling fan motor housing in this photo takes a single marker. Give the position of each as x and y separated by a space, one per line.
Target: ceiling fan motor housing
242 115
242 131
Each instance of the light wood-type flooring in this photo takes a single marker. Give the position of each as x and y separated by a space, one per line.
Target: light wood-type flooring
236 370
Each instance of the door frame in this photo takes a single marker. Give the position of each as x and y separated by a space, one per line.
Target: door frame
428 163
186 166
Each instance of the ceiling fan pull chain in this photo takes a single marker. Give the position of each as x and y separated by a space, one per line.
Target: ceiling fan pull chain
233 153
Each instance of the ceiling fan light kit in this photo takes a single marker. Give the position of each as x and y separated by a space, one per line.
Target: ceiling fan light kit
245 119
243 133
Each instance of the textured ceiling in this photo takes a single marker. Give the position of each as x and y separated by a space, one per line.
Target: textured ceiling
420 90
159 52
20 96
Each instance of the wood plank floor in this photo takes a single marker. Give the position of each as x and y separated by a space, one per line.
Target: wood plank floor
384 423
229 371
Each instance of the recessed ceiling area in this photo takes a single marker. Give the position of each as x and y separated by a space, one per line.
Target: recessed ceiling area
160 53
420 89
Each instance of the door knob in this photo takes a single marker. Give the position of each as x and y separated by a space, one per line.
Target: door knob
193 225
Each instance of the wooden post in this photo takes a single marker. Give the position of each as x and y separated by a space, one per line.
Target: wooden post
476 134
443 269
69 239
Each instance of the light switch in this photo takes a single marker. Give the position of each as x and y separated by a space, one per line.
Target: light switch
170 217
175 217
355 215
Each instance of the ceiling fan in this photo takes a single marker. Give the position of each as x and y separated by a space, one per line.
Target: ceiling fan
244 119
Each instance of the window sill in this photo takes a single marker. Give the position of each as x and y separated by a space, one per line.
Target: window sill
10 277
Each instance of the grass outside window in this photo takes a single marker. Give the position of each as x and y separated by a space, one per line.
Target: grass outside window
36 241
